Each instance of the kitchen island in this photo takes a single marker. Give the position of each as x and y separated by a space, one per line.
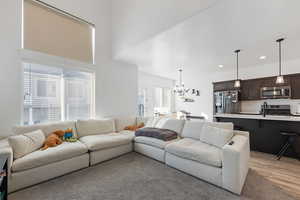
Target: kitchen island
265 131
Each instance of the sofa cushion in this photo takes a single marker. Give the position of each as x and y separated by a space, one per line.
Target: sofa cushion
152 121
122 122
95 127
46 128
223 125
171 124
215 136
197 151
161 122
26 143
105 141
153 141
53 154
192 129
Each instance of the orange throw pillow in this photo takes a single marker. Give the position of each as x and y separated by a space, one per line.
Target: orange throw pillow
134 127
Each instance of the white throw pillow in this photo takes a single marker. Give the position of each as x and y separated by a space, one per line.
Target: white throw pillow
26 143
215 136
161 122
192 129
95 127
171 124
152 122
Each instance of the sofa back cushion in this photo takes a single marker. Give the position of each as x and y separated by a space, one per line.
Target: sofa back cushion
95 127
152 121
223 125
171 124
192 129
122 122
26 143
46 128
215 136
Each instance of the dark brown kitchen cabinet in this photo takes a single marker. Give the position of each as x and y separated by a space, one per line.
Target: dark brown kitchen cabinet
250 89
224 85
295 85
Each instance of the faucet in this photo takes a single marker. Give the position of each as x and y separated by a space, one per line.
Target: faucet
264 108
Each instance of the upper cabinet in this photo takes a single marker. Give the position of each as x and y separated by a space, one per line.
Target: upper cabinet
225 85
295 85
250 89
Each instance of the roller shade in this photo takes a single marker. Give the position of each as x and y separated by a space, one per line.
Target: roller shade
49 31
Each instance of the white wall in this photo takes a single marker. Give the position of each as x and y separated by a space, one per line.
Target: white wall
203 81
135 20
149 82
108 73
117 90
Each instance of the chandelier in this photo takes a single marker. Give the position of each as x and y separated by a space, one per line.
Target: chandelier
183 92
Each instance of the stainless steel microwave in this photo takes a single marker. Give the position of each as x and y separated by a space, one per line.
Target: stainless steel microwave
280 92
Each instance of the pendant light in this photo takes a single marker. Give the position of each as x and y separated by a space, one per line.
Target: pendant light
279 79
237 83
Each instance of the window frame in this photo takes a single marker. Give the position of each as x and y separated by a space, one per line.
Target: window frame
28 56
162 99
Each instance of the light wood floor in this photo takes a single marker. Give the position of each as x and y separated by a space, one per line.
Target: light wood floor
284 173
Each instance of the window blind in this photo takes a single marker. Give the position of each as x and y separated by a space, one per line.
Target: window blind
50 31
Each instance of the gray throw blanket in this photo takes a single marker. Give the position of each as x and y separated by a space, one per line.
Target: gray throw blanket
158 133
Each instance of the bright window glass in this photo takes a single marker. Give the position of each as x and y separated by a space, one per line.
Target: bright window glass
56 94
162 100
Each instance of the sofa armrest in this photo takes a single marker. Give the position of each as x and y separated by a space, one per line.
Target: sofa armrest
244 133
236 163
6 150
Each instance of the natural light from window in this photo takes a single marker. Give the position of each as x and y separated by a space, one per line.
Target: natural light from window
56 94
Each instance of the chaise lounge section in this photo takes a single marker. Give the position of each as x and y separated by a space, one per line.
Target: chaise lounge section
224 165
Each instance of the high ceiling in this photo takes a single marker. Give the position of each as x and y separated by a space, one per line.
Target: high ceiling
208 38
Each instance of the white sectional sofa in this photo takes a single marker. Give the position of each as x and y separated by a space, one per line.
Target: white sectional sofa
221 159
102 141
98 140
39 166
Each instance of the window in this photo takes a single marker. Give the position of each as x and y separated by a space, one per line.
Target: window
142 103
162 100
55 32
55 94
46 88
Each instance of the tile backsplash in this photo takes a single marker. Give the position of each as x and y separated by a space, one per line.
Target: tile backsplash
254 106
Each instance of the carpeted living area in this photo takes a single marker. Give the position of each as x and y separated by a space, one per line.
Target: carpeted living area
136 177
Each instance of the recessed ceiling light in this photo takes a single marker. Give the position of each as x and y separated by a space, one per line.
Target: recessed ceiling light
262 57
221 66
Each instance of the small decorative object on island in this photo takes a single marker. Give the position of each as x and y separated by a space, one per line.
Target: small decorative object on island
183 92
280 79
237 83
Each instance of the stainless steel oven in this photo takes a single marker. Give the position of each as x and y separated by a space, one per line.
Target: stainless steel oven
280 92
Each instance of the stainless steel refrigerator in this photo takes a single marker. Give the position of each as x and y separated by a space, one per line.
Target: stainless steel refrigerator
227 102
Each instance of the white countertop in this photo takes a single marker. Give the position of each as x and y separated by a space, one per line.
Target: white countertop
260 117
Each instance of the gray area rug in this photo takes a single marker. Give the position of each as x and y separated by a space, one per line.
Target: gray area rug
135 177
